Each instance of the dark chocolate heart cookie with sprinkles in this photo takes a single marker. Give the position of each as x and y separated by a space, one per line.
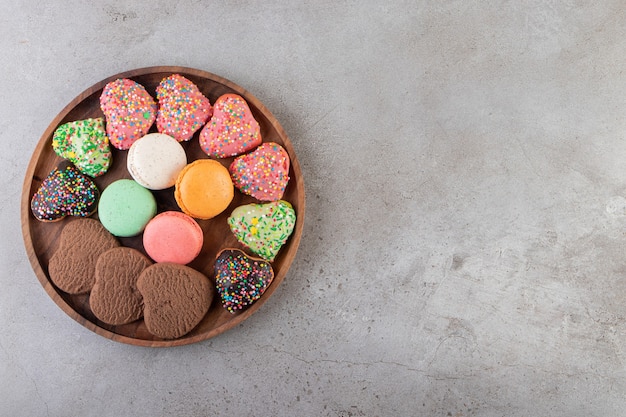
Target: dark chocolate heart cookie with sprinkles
65 192
241 279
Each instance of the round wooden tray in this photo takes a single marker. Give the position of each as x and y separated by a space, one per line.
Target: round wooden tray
41 239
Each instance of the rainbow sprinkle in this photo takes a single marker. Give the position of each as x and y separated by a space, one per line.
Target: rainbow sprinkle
232 129
85 144
263 228
240 280
64 192
129 110
262 174
183 109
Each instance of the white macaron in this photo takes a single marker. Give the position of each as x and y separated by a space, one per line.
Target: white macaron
155 161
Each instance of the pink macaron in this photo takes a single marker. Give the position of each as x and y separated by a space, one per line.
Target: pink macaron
174 237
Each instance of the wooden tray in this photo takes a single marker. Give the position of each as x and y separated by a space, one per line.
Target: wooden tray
41 239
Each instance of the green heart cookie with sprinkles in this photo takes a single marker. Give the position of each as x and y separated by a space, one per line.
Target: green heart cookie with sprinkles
241 279
263 228
64 192
85 143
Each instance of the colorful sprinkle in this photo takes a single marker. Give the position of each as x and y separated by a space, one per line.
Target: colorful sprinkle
183 109
64 192
129 110
241 280
232 129
263 228
85 144
262 174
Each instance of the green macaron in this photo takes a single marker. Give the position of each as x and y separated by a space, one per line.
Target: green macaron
125 208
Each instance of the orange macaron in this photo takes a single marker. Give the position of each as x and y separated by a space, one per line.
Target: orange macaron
204 189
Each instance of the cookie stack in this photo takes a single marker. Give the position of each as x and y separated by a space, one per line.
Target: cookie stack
157 282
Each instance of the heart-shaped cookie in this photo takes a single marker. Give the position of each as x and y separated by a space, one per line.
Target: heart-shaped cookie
114 298
183 109
241 279
263 228
72 267
263 173
64 192
85 144
232 130
175 298
129 111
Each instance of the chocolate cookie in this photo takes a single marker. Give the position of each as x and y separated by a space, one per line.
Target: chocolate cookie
72 268
176 298
64 192
241 279
114 298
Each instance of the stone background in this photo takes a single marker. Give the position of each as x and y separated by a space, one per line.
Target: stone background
463 250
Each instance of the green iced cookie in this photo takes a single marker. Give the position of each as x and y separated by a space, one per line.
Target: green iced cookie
263 228
125 208
85 144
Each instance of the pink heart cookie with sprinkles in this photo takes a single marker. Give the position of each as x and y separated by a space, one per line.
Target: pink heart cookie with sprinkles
64 192
129 111
232 129
263 173
183 109
241 279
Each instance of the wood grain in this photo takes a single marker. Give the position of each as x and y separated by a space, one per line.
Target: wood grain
41 239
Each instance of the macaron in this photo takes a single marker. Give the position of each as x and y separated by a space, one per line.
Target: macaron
204 189
173 237
125 208
155 160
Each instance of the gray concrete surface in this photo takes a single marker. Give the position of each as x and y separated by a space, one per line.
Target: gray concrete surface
463 253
